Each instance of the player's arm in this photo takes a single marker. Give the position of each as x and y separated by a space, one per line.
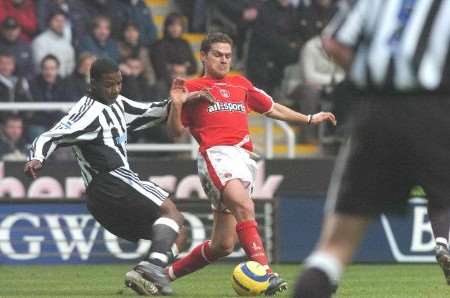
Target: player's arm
179 96
79 125
340 53
345 31
281 112
260 102
140 115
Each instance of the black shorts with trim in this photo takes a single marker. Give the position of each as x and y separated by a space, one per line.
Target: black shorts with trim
120 208
396 143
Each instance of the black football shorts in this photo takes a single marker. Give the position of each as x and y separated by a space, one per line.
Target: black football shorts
396 143
123 210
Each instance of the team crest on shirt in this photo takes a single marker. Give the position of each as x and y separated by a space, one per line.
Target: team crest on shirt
120 139
66 124
225 93
219 106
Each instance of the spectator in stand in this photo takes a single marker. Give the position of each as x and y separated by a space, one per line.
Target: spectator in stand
196 13
10 41
77 84
239 16
319 77
274 44
99 42
75 23
113 9
24 12
139 13
46 87
12 142
53 41
318 69
12 88
172 49
175 71
131 46
314 15
178 71
135 83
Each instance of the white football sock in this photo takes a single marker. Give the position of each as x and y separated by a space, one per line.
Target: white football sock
327 263
442 241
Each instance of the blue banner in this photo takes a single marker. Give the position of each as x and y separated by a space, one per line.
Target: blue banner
66 233
389 238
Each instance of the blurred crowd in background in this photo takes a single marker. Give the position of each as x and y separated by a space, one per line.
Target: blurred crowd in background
48 46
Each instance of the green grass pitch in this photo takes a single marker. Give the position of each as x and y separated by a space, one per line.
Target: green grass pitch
214 281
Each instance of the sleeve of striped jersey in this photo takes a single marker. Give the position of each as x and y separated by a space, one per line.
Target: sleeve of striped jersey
71 129
347 26
139 115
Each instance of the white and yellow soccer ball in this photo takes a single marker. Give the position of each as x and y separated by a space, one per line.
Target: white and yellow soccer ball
250 279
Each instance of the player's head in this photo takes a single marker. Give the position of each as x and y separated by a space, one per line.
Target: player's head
106 80
215 53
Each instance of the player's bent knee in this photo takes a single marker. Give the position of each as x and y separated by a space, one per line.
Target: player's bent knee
168 209
244 210
248 205
223 249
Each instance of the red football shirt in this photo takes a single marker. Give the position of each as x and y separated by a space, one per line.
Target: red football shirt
224 122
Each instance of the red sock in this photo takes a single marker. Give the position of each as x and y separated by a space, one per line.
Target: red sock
251 242
198 258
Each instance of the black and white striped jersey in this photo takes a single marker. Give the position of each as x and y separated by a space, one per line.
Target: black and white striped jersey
401 45
98 135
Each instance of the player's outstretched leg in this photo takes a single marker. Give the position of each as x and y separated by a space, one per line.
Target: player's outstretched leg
440 223
149 274
154 276
135 281
237 199
340 236
223 240
443 259
276 286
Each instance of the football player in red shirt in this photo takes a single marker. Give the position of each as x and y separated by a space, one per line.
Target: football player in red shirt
225 163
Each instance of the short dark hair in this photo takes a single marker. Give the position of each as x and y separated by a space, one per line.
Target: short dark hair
7 53
99 18
13 116
171 19
10 23
50 57
212 38
103 66
55 12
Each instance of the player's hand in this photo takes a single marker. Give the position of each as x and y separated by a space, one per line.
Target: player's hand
200 95
32 168
323 116
178 91
180 94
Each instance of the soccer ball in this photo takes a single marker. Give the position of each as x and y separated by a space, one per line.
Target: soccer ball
250 279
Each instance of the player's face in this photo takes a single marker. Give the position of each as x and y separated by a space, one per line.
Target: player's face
217 61
109 87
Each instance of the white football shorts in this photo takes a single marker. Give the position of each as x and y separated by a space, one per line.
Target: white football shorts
220 164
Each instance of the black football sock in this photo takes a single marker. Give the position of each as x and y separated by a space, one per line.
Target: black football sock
313 283
440 223
164 232
322 274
